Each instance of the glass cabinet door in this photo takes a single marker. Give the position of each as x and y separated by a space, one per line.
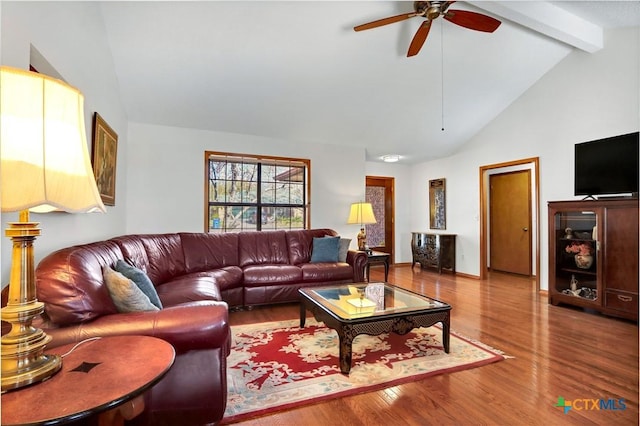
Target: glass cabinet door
576 261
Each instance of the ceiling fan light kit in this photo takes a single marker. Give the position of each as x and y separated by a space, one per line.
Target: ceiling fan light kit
432 10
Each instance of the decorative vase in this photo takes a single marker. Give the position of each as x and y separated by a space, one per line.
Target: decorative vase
584 261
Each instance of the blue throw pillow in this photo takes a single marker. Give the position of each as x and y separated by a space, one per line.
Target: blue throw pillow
343 249
140 279
325 249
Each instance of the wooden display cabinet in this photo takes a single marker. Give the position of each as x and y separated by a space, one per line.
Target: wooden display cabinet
608 230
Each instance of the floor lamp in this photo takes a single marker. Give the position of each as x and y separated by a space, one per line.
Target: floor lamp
361 213
44 166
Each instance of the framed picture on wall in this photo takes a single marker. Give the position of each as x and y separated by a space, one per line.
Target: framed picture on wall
437 210
105 154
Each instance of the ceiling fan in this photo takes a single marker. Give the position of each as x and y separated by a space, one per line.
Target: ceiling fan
432 10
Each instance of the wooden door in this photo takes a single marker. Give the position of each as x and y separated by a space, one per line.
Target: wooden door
379 192
510 222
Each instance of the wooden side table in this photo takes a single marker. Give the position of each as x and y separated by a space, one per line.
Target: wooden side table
378 257
97 376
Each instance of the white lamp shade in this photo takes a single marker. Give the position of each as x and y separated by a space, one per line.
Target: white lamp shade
43 146
361 213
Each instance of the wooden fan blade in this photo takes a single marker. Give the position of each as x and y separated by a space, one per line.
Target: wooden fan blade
385 21
472 20
419 38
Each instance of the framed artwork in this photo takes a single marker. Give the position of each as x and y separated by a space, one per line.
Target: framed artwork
105 154
437 210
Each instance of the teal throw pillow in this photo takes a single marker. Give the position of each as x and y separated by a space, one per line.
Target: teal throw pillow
125 294
140 279
325 249
343 249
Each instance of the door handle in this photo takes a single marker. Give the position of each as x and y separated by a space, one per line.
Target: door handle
525 229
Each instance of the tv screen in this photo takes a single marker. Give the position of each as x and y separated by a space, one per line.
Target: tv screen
607 166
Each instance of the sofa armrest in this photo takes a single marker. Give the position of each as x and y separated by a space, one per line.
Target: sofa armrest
190 326
358 260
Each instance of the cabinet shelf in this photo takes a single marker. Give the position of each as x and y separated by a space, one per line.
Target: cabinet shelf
579 271
570 299
608 231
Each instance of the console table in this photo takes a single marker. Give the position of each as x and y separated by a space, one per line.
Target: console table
97 376
434 250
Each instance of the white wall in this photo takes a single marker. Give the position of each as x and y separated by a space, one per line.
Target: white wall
73 40
160 175
166 176
585 97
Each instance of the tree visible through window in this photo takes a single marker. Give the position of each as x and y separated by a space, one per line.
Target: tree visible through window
247 192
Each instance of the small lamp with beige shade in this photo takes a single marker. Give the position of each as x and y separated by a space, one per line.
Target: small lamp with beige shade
44 166
361 213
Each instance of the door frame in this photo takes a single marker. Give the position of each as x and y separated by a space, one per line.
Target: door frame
390 220
534 162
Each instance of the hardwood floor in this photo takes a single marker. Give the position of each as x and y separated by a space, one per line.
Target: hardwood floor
558 352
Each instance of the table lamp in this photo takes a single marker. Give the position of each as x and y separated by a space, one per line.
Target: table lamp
44 166
361 213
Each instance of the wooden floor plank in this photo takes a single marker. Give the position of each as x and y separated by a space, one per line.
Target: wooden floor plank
556 350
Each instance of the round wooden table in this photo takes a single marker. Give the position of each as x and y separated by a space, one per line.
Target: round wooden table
96 376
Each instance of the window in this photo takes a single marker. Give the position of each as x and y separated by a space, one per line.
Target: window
245 192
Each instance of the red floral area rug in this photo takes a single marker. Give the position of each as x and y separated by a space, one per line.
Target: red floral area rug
276 366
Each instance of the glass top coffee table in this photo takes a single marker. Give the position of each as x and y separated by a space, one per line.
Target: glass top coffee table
371 308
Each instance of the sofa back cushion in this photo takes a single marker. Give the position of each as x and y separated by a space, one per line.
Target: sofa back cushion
204 252
133 251
300 243
160 256
69 282
262 247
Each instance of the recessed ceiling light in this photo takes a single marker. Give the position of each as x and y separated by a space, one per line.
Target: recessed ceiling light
392 158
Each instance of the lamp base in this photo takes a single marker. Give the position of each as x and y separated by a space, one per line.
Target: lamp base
41 367
362 239
21 349
23 361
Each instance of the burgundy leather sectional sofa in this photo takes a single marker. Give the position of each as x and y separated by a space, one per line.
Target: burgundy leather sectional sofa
197 277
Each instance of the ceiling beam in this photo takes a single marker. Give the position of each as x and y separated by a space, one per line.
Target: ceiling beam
550 20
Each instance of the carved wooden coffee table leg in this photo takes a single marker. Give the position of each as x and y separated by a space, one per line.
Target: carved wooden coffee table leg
345 336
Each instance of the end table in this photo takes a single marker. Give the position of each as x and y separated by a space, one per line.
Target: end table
97 376
378 257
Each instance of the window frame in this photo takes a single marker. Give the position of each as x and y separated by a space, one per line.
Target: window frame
260 160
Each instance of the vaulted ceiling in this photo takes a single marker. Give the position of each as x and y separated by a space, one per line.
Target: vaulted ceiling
296 70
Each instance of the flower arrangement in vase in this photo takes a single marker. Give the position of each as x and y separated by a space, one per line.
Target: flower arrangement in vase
583 253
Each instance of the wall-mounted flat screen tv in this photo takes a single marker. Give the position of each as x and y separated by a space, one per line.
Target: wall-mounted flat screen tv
607 166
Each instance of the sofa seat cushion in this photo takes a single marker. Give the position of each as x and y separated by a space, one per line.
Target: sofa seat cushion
260 275
188 289
315 272
226 278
